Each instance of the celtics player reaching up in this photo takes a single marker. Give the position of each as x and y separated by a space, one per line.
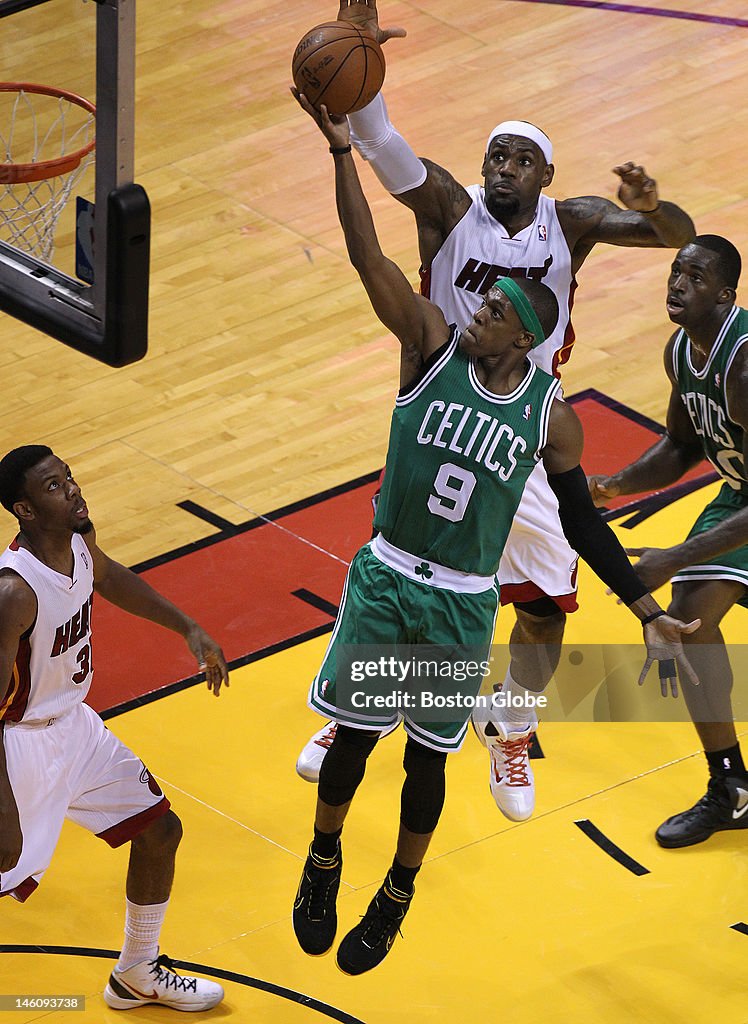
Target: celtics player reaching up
467 237
707 363
472 419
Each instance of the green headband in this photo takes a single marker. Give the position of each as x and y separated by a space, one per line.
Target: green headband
525 312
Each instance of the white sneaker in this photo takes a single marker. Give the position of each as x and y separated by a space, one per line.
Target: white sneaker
155 981
512 781
311 757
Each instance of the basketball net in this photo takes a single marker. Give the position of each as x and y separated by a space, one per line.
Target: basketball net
47 138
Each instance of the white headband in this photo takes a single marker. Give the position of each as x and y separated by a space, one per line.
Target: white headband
526 131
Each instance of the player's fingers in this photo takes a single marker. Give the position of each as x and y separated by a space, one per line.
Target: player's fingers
645 670
686 669
396 32
689 627
636 552
666 669
622 169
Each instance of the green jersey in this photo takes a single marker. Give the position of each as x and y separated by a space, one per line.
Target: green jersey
705 398
457 462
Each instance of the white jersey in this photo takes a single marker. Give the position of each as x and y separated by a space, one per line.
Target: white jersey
478 250
52 672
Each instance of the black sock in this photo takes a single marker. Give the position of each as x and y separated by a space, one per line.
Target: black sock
726 762
325 844
402 878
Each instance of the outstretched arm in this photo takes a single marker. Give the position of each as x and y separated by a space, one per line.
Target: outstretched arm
645 221
417 323
657 565
662 464
128 591
435 197
599 547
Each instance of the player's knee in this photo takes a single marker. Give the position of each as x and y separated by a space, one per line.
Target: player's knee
541 621
423 792
344 765
162 836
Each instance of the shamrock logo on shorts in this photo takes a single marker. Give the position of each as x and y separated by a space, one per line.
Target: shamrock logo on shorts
424 571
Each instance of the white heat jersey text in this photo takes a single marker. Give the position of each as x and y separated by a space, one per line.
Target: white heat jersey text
478 251
53 670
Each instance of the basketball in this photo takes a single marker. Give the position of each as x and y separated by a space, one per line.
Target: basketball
339 66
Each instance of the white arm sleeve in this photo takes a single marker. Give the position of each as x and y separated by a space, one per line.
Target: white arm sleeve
390 156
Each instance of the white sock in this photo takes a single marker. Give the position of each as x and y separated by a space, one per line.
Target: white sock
515 719
142 930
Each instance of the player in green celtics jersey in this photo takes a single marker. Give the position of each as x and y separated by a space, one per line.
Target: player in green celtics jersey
707 363
471 420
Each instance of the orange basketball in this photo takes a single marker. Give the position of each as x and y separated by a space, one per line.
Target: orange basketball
339 66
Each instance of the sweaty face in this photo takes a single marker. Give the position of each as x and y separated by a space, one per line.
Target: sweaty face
495 327
515 172
55 498
694 288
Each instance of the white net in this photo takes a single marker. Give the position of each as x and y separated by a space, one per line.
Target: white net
37 131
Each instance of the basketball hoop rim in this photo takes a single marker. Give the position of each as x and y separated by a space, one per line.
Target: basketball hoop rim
17 174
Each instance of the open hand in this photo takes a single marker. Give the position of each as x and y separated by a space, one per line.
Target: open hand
363 14
663 639
637 190
655 566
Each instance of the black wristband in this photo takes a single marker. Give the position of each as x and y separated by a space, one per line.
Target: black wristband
340 150
652 617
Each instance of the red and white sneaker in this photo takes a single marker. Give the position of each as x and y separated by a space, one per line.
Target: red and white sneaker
156 981
311 757
511 779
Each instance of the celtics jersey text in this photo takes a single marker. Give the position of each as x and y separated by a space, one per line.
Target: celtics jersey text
478 250
457 462
704 396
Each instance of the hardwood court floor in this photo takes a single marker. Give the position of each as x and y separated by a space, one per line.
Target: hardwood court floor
268 380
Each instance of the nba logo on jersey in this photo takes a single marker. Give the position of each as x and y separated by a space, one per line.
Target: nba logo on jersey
717 380
542 233
526 412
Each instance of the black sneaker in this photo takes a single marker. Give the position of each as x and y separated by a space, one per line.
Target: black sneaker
723 806
370 941
315 918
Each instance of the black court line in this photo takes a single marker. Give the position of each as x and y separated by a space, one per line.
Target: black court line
316 601
535 751
207 516
253 524
643 507
185 684
212 972
656 12
740 927
608 846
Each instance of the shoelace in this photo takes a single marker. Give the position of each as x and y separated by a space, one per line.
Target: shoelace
318 892
515 761
326 739
384 921
711 801
165 973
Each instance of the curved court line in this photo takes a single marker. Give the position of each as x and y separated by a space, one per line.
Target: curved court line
214 972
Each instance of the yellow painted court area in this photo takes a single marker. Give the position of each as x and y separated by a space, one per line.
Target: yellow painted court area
533 922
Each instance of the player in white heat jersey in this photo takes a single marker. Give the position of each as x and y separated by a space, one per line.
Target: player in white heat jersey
57 758
468 237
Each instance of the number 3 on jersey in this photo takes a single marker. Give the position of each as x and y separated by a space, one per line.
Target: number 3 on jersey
84 660
453 487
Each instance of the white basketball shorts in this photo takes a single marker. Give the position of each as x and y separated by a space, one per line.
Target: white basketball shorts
73 768
537 560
